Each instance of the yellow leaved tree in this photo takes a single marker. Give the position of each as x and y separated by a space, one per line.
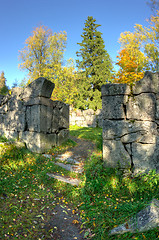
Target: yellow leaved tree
130 70
43 56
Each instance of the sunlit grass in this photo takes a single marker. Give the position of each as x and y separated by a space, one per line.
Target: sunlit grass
92 134
105 197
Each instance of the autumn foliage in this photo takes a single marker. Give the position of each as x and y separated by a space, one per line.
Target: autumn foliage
130 70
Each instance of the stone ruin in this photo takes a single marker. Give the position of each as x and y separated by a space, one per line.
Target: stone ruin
131 124
86 118
30 116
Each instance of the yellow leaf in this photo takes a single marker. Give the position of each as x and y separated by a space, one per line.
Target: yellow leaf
75 221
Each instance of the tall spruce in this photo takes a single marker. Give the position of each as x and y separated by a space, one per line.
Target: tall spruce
94 67
3 88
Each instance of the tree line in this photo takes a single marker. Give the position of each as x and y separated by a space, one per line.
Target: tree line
79 83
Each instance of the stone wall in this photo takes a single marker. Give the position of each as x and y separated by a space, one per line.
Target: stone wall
86 118
29 115
131 124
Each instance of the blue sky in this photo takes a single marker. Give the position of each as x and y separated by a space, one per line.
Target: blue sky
19 17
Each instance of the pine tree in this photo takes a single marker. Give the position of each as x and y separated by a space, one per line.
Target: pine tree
3 87
94 67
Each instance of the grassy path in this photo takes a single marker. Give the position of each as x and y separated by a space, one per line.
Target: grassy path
29 199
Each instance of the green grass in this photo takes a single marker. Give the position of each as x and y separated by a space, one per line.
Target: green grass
3 139
92 134
105 198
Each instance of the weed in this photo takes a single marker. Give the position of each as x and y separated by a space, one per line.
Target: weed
105 197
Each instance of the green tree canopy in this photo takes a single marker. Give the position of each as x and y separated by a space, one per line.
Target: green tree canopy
143 44
94 66
42 56
3 87
43 53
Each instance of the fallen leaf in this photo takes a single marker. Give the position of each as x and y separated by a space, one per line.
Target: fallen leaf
126 225
73 211
75 221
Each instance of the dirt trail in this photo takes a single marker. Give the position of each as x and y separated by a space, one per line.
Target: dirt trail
64 222
82 150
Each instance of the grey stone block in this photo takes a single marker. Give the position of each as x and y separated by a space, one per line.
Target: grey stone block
1 98
141 107
144 157
3 108
64 116
41 87
62 136
55 120
115 155
149 84
128 131
113 89
146 219
16 92
39 101
33 118
38 142
113 107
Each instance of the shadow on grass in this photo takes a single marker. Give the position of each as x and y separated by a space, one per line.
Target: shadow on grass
106 197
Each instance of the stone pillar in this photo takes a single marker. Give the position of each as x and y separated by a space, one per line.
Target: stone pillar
130 124
47 121
32 117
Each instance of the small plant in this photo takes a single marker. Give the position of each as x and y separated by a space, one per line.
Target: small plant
3 139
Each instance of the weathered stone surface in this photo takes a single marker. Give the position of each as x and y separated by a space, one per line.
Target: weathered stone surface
157 109
86 118
14 120
141 107
74 182
9 134
41 87
70 167
115 155
146 219
128 131
149 84
64 116
113 107
15 104
62 136
3 108
144 157
16 92
1 98
39 101
114 89
38 142
33 118
29 115
132 119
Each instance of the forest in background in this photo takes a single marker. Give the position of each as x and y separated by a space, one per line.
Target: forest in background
78 82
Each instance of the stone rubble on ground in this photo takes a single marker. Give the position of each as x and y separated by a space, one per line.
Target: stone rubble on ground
72 181
146 219
69 167
70 164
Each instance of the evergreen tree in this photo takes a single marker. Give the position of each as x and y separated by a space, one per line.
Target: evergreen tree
94 67
3 87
